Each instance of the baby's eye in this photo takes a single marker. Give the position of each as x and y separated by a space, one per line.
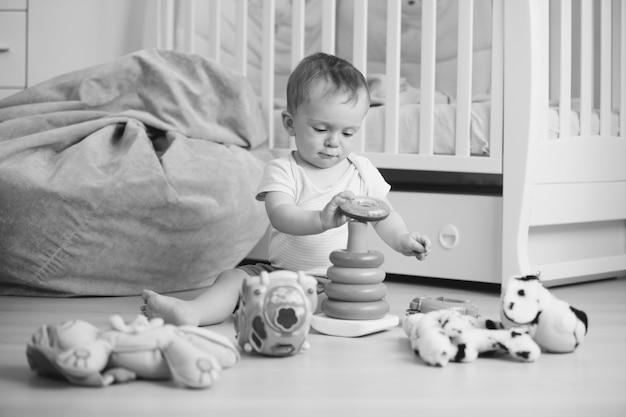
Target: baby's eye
349 134
319 129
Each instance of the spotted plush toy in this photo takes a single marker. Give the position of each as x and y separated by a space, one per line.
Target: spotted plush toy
444 336
85 355
555 325
532 320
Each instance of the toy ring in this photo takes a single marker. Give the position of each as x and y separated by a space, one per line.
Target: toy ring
352 310
347 259
355 275
365 209
351 292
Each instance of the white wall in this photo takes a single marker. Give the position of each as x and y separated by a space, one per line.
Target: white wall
65 35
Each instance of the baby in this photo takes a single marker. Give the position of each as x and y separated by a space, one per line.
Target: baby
327 100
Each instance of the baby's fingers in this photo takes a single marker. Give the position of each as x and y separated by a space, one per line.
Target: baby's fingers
344 196
421 246
425 242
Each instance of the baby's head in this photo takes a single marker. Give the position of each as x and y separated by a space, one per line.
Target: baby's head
327 100
337 75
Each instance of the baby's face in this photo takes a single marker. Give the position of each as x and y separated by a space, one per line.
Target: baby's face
325 126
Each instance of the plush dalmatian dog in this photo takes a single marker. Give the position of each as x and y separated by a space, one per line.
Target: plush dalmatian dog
532 320
555 325
442 336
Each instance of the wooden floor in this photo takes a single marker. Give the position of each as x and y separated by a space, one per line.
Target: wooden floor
376 375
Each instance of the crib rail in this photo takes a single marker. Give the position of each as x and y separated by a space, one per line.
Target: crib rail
176 22
572 185
587 74
588 67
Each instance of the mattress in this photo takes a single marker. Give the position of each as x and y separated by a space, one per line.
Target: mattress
444 127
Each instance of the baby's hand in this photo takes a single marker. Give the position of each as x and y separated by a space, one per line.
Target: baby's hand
331 216
414 244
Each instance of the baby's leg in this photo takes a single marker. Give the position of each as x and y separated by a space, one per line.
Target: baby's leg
213 306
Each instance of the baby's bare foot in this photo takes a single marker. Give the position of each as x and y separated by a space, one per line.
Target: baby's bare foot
171 310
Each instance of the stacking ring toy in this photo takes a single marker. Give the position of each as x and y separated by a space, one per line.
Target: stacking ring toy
347 259
347 310
355 303
365 209
350 292
355 275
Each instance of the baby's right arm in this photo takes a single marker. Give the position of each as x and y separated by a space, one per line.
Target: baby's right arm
287 217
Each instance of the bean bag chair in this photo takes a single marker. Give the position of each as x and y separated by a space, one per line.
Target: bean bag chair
139 173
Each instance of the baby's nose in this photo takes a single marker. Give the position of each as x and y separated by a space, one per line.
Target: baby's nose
332 141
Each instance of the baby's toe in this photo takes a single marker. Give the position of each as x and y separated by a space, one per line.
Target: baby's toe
146 294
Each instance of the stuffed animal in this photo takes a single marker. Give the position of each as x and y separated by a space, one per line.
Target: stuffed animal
85 355
441 336
554 324
274 315
532 320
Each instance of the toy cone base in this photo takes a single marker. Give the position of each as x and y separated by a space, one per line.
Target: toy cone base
352 328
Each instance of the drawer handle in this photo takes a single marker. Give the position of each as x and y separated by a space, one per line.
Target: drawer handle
4 48
449 236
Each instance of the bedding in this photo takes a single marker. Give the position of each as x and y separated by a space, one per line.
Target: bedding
444 121
282 37
411 41
135 174
408 133
447 33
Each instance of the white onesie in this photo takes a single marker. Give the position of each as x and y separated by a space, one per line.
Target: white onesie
305 253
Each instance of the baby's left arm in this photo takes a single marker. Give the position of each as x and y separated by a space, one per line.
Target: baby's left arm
393 232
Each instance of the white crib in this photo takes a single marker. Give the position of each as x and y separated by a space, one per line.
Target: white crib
524 104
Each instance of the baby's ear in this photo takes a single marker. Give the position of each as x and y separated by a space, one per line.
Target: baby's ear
288 123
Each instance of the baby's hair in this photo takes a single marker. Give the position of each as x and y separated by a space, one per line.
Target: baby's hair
335 71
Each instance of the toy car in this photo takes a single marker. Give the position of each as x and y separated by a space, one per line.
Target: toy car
274 315
424 304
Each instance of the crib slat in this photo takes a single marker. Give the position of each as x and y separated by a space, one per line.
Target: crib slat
392 65
464 77
359 54
427 77
605 68
267 76
329 13
586 66
165 24
188 12
215 32
497 80
241 41
622 108
297 32
565 69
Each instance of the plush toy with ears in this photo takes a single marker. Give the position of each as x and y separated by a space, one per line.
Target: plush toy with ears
555 325
85 355
442 336
533 320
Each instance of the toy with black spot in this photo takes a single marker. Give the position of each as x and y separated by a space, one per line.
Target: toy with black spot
553 323
533 320
443 336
